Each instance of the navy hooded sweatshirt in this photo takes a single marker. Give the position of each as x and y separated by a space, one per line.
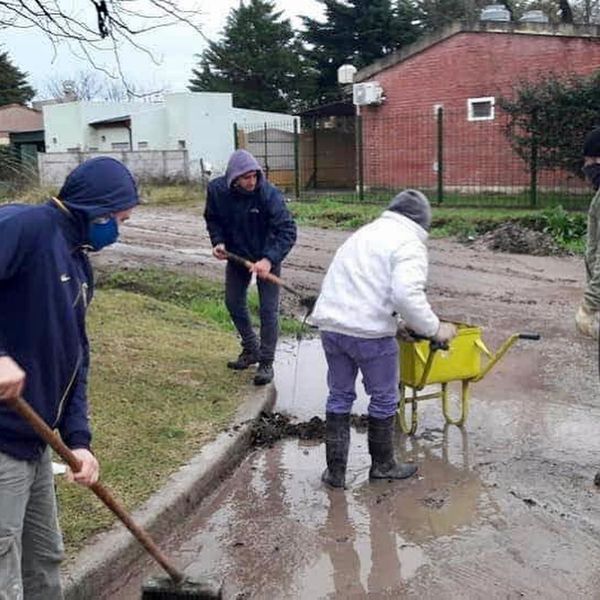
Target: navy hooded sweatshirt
46 284
254 225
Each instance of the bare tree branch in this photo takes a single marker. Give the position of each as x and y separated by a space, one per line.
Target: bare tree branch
97 25
94 85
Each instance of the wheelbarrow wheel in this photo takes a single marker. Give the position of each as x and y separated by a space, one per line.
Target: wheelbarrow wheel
464 404
407 428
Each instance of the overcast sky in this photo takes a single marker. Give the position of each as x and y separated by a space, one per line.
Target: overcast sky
173 47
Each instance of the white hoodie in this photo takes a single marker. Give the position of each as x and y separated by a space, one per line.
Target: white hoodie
376 277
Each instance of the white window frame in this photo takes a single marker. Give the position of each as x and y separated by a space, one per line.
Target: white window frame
471 101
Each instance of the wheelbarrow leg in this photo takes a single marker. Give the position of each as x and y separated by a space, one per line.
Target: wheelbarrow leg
464 402
404 426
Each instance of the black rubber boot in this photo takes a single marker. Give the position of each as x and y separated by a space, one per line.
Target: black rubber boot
264 373
381 449
337 443
246 359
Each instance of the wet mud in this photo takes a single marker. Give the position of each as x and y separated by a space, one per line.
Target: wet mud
504 508
514 238
273 427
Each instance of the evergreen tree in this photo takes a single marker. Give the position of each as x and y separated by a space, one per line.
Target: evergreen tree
437 14
13 83
259 59
548 119
356 32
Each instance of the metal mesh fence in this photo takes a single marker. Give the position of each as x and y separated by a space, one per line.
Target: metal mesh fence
456 157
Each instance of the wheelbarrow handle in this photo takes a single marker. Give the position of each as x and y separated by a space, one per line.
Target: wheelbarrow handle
434 345
529 336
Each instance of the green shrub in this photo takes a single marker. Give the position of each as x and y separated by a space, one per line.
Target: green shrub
563 226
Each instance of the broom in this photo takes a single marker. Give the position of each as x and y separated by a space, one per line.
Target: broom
177 586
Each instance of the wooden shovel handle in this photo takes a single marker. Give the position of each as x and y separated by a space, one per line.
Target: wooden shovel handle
53 440
267 277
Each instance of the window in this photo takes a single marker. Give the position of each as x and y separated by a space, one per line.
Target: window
181 144
103 138
120 145
436 108
54 141
481 109
142 145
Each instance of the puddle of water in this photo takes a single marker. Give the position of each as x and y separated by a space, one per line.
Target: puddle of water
300 377
274 531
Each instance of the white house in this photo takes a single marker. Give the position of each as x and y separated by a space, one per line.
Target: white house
202 123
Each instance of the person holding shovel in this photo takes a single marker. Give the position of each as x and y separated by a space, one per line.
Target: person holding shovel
247 216
45 287
587 316
376 279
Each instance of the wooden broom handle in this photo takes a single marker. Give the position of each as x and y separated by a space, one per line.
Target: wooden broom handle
53 440
267 277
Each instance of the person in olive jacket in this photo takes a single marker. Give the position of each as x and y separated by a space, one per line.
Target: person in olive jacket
247 216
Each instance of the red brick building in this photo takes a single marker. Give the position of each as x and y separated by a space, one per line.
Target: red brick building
465 69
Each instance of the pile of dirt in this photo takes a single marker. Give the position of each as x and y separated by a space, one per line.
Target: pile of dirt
272 427
512 237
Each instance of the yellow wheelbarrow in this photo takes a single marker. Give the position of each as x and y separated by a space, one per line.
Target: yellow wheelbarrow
424 363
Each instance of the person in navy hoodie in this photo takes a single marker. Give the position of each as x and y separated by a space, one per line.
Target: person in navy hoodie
247 215
45 287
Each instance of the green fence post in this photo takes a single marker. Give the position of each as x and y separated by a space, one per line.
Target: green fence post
533 168
315 165
296 160
266 151
359 156
440 154
236 144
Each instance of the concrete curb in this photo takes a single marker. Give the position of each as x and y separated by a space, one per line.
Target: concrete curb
112 554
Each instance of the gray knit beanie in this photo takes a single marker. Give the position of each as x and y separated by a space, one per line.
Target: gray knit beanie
413 205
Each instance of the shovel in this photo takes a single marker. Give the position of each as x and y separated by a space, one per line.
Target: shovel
178 586
307 302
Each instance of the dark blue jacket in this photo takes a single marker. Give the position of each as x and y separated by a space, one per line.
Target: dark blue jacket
45 286
254 225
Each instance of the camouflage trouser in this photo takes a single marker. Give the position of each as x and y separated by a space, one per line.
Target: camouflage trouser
31 547
592 256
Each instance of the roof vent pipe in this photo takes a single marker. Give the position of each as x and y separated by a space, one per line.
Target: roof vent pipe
534 16
495 12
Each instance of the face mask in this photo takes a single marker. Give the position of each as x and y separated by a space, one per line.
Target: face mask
592 172
103 232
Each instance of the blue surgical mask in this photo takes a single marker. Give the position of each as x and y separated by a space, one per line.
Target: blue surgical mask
103 232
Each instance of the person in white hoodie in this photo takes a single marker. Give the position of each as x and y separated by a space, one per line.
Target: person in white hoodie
375 282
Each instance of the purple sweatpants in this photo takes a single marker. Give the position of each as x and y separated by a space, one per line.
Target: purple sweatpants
377 360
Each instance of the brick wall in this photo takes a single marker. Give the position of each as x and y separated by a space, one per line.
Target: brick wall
400 135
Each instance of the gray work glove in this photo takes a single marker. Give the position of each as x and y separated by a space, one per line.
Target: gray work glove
404 333
446 331
587 320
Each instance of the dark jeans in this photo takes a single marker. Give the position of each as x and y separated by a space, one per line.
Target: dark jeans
237 280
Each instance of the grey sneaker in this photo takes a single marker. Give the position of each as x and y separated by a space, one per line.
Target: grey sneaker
246 359
264 373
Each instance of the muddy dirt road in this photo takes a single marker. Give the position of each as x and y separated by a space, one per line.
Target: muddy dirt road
505 508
